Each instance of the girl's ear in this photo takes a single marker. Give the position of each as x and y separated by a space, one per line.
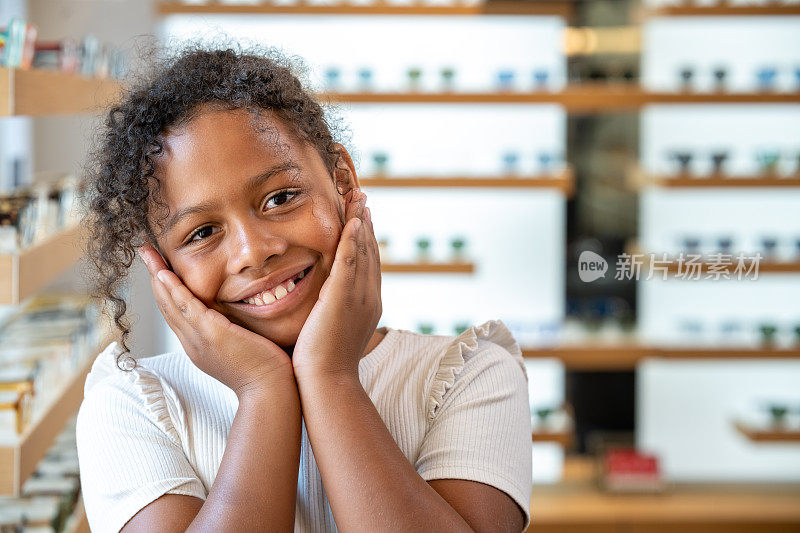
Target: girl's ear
344 173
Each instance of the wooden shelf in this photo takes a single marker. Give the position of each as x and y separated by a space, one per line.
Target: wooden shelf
673 266
562 182
563 436
577 98
773 434
577 504
44 92
19 461
764 267
428 268
24 273
722 181
561 8
593 357
726 10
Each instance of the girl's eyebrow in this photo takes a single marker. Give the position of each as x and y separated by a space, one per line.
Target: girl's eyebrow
252 183
257 181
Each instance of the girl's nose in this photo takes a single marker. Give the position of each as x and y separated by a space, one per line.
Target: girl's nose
251 245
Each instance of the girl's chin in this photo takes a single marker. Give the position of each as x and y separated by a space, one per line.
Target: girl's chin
282 334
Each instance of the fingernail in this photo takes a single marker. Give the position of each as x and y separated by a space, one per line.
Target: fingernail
162 275
358 224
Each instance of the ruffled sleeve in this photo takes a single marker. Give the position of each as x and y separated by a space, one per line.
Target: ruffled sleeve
160 400
452 360
130 448
479 423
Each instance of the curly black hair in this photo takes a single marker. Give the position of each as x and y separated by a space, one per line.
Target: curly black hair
120 182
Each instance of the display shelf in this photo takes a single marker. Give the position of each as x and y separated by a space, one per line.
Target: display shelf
627 355
724 181
427 268
44 92
723 9
771 434
24 273
562 181
562 8
764 267
562 438
577 504
578 98
562 433
673 265
593 356
19 460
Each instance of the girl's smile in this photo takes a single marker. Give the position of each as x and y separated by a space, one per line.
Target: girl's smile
269 302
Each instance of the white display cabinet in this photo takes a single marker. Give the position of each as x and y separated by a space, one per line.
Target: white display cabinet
686 413
742 46
705 397
477 48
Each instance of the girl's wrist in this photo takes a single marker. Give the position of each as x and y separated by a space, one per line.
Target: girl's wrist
318 375
277 381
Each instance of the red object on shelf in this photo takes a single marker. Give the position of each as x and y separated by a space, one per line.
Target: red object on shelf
628 470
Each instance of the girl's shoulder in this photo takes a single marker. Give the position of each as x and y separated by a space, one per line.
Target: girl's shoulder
152 386
442 361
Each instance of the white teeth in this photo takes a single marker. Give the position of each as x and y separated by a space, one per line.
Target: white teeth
267 297
280 292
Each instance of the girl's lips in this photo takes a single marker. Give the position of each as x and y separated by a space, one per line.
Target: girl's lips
269 310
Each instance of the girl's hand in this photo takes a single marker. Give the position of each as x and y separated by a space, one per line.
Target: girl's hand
344 318
237 357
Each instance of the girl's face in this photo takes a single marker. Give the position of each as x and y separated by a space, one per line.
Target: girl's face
250 210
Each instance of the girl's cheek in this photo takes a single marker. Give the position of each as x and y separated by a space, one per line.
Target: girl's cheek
202 279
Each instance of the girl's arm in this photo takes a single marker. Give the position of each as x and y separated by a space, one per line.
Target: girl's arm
369 482
256 485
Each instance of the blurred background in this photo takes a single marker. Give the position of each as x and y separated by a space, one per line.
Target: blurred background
617 180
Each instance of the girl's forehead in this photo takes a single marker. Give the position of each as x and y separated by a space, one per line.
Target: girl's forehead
230 132
226 145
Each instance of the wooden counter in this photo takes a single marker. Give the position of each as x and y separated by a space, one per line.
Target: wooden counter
577 504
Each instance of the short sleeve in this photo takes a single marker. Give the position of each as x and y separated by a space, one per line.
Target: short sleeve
129 451
479 415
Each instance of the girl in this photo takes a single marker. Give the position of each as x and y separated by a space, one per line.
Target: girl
288 409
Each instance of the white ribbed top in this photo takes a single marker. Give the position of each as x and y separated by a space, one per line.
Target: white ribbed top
456 406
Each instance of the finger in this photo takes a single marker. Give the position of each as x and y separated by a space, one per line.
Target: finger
152 259
356 205
365 260
169 310
345 263
376 263
190 307
373 241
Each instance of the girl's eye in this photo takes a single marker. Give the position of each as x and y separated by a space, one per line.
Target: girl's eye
202 233
280 198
